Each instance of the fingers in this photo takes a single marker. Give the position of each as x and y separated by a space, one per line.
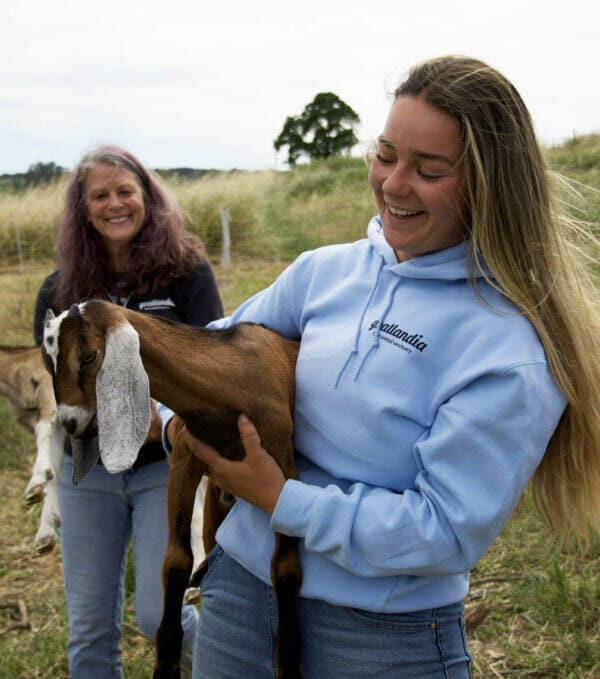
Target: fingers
256 478
201 450
249 435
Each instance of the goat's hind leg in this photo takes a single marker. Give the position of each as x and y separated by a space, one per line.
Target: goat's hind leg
185 473
286 577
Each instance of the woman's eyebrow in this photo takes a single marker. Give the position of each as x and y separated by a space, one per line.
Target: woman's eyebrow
420 154
433 156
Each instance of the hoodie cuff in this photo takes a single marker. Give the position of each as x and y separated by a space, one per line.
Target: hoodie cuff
295 503
166 415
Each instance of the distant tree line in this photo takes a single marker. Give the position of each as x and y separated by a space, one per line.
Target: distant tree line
38 174
186 173
42 174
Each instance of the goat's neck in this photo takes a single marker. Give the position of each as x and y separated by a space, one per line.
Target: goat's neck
11 360
179 368
7 364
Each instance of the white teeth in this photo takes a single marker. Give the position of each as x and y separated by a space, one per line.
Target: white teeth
118 220
402 213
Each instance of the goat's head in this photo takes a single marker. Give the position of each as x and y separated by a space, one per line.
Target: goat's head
101 387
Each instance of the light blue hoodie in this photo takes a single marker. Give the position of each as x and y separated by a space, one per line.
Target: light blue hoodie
421 413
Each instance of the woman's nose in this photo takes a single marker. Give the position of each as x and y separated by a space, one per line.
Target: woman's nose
114 200
398 181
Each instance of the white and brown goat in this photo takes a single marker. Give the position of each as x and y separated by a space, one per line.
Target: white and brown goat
27 386
106 359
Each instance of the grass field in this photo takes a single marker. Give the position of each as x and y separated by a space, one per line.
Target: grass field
533 612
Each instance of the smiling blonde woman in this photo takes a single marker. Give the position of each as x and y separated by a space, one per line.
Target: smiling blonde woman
445 360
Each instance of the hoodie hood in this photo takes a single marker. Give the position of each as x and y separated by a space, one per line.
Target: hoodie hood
452 264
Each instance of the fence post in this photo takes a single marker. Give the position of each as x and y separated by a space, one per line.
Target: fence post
19 248
226 249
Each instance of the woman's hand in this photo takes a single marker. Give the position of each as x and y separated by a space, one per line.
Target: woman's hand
257 478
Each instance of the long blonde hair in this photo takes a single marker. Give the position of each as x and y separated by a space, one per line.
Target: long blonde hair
537 257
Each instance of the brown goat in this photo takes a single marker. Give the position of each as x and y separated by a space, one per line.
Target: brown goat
25 383
102 357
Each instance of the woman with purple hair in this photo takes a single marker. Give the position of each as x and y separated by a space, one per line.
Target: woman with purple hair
121 238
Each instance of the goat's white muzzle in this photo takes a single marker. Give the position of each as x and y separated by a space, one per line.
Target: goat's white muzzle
75 419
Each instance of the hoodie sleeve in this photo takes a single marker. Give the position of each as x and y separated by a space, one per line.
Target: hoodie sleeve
474 463
278 307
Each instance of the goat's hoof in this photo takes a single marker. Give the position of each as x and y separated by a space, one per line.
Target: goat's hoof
192 596
45 545
34 495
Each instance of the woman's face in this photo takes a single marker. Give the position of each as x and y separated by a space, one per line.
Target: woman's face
417 178
114 202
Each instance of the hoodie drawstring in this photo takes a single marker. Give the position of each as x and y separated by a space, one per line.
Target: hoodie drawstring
354 350
375 343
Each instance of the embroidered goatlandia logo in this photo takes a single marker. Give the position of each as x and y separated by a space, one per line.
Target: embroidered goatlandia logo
415 340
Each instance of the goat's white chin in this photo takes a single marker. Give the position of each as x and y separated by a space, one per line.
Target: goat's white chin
75 419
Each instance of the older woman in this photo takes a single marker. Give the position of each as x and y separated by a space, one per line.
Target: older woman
122 239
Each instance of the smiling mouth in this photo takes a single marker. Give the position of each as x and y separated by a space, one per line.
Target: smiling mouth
403 214
117 220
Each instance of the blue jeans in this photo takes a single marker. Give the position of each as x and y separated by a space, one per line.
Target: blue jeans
99 518
238 621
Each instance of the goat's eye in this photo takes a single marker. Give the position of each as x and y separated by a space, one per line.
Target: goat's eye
88 358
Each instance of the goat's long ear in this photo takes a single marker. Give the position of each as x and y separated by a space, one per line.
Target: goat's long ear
122 400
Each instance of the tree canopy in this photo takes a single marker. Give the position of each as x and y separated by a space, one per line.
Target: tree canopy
324 129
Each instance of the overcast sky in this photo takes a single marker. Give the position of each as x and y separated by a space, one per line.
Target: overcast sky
209 84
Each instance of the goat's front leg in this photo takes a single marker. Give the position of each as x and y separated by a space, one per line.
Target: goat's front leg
185 473
216 506
47 536
192 593
43 469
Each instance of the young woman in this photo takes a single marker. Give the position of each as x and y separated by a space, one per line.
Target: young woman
445 360
122 239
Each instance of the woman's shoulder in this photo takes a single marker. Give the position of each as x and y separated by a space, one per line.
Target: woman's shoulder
48 287
335 254
51 279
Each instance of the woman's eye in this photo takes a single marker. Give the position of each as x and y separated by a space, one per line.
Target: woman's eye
430 175
383 158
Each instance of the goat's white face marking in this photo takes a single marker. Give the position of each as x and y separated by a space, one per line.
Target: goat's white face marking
51 336
80 416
